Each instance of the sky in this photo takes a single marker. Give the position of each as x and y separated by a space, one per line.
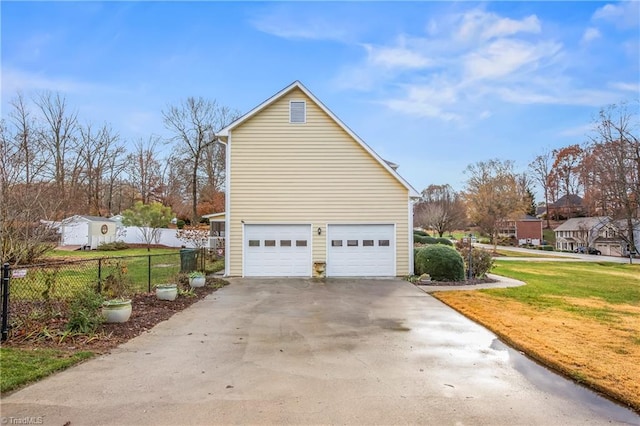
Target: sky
430 86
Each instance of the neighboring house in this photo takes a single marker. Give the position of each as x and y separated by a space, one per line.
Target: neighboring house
567 206
87 232
526 230
307 197
598 232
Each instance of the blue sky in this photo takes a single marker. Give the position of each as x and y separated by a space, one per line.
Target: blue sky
432 86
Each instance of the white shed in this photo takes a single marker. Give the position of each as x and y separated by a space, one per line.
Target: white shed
88 232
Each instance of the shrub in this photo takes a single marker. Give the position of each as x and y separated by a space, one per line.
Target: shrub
481 261
84 312
444 241
441 262
421 233
180 224
546 248
117 245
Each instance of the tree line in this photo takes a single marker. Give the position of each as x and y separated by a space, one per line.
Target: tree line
55 164
604 171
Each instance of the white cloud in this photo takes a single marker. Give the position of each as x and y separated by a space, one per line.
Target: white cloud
463 65
590 34
576 131
506 56
625 87
283 23
16 80
396 57
478 24
624 14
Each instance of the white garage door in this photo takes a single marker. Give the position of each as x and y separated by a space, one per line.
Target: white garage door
277 250
361 251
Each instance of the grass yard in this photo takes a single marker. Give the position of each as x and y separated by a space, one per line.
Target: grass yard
95 254
22 366
66 280
511 253
582 319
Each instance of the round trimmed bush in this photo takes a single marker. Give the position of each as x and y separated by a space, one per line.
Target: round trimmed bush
419 232
444 241
441 262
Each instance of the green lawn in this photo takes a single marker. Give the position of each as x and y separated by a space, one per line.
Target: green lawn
95 254
81 269
510 253
547 283
22 366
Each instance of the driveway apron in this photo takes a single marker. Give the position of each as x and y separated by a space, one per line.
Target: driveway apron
295 351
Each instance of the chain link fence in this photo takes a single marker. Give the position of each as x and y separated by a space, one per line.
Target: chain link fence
62 281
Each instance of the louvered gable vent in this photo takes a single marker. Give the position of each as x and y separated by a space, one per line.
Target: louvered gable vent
298 112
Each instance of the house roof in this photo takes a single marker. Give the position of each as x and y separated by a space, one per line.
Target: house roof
567 201
528 218
87 218
223 134
583 223
213 216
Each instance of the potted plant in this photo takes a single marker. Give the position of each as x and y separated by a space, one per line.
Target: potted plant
167 291
117 288
197 279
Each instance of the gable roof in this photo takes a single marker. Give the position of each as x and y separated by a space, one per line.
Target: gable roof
223 134
583 223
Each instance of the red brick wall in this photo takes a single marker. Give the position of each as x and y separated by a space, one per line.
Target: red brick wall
528 229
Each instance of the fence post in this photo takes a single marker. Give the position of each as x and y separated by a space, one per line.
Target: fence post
100 275
6 279
149 274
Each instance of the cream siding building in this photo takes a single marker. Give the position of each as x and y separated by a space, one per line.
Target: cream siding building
305 196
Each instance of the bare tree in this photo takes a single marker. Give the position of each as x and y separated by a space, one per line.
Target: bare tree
541 170
144 168
59 138
440 209
194 124
99 151
615 168
23 237
493 195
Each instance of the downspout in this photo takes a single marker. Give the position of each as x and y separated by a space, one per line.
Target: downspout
227 205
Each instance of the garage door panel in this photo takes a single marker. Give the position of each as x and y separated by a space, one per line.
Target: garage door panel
277 250
361 250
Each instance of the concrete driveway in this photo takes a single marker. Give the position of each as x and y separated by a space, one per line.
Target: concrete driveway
303 352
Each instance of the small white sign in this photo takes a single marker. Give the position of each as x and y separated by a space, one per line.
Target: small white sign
18 273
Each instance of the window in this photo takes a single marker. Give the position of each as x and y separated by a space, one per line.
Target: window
285 243
297 112
269 243
254 243
383 243
367 243
336 243
352 243
301 243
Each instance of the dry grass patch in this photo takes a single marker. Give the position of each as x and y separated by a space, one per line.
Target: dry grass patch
577 331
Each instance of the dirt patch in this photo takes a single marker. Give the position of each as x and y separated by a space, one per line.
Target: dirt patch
47 330
604 356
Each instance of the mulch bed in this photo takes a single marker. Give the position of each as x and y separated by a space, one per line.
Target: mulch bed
467 283
147 311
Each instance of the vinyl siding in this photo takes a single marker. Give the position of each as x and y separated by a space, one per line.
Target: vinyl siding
312 173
